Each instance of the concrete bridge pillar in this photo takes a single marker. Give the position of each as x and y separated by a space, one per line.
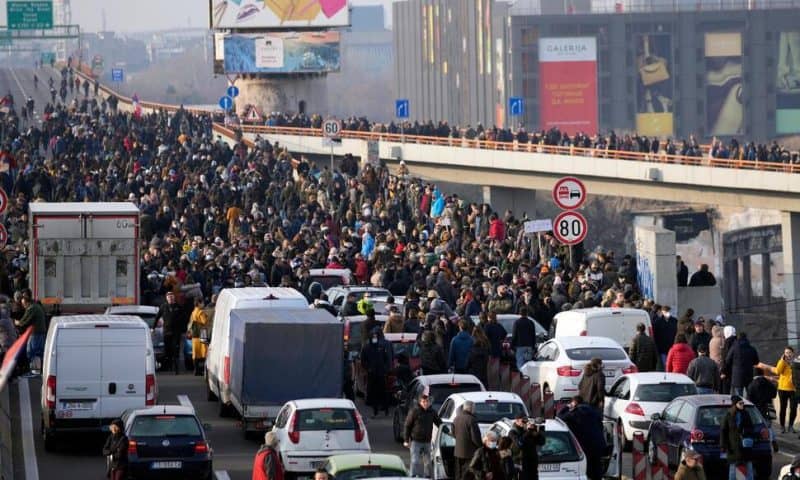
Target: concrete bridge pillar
290 94
790 227
518 200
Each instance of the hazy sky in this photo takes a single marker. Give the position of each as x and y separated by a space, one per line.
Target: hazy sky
136 15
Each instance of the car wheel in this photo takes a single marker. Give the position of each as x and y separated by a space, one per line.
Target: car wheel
398 435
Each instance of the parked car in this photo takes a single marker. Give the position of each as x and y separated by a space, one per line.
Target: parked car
438 388
558 364
489 407
167 441
330 277
365 465
337 295
618 324
402 343
311 430
635 397
147 313
694 422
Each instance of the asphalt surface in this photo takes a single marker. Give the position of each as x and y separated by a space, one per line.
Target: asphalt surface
19 81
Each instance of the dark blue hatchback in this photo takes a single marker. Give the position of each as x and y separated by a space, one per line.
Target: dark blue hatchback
167 441
694 422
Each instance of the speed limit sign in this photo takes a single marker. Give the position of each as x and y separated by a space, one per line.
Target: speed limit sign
570 228
330 128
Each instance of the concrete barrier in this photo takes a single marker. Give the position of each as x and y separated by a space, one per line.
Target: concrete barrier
639 458
549 405
493 374
536 400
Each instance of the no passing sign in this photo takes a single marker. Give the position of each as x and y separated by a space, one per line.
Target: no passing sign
570 228
569 193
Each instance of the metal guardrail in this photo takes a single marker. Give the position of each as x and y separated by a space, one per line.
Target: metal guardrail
534 7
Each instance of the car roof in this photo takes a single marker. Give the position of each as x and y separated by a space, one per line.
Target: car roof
400 337
447 379
356 289
709 400
131 309
83 321
333 272
653 378
481 397
163 410
309 403
605 311
550 424
586 341
248 293
355 460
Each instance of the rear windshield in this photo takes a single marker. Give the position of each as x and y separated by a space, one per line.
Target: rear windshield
409 349
558 447
663 392
440 392
490 412
165 426
326 419
713 416
327 281
592 352
369 472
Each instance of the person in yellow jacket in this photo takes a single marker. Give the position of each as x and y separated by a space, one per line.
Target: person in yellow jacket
198 329
786 390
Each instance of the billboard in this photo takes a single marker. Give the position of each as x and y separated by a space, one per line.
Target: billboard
282 52
654 85
724 95
568 84
279 13
787 84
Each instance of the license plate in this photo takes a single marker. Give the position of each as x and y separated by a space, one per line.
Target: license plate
317 464
610 373
166 465
549 467
77 405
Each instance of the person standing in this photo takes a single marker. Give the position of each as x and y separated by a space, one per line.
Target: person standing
592 387
418 432
267 463
704 372
665 327
198 331
736 438
34 316
643 350
431 355
786 389
739 363
699 336
116 451
468 439
762 392
8 334
526 437
683 272
169 314
497 335
586 423
460 347
479 355
680 355
486 463
523 338
376 359
690 467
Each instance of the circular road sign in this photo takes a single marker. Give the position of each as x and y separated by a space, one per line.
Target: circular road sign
570 228
3 201
232 91
330 128
3 236
225 103
569 193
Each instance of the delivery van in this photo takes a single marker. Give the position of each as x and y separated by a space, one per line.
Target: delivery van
94 368
615 323
218 357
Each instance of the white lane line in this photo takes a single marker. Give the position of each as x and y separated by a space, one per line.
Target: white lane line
222 475
184 400
14 74
785 454
28 446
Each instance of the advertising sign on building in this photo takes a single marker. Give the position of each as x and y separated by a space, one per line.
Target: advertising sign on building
568 84
282 52
654 86
787 84
279 13
724 87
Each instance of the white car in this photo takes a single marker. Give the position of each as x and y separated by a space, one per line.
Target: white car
559 362
337 295
311 430
635 397
331 277
489 407
148 314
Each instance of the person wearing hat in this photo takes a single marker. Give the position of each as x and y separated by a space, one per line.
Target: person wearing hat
376 359
526 436
737 436
116 451
170 315
418 430
690 467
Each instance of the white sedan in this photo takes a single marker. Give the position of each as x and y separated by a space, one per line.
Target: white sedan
559 362
634 397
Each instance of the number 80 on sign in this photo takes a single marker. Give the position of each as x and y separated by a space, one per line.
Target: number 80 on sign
570 227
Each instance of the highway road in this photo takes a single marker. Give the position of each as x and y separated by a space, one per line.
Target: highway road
233 454
19 82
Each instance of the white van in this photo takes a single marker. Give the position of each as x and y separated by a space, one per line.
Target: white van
615 323
218 360
94 368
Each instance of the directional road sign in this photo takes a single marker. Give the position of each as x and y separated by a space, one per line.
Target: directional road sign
29 15
117 75
402 108
233 91
570 227
516 107
226 103
330 128
569 193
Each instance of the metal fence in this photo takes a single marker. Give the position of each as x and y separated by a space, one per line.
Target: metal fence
534 7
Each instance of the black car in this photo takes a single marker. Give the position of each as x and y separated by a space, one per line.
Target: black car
694 422
167 441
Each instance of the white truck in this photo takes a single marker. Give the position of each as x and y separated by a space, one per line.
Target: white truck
84 257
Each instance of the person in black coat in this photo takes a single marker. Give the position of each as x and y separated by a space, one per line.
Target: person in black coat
683 272
586 423
116 451
739 363
526 437
665 327
761 392
467 435
643 352
171 314
376 359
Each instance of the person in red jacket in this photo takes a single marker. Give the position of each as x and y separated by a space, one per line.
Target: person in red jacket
680 355
267 464
497 229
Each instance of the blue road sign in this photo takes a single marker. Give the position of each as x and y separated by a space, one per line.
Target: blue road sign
515 106
233 91
226 103
401 108
117 75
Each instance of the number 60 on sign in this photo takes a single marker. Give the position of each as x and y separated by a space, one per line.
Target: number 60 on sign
570 227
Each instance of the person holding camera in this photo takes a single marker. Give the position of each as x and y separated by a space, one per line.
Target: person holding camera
526 435
418 432
586 423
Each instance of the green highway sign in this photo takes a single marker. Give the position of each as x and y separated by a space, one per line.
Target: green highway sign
29 14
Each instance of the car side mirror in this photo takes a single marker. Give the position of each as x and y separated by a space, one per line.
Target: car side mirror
446 430
655 417
207 427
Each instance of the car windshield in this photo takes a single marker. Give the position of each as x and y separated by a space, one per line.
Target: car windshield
663 392
369 471
712 416
589 353
326 419
492 411
558 447
165 426
441 391
327 281
409 349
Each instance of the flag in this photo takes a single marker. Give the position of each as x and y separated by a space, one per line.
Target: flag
10 360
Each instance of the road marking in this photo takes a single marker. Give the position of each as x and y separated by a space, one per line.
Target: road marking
184 400
28 446
14 74
222 475
785 454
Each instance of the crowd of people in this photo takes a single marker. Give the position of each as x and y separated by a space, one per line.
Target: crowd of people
215 216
